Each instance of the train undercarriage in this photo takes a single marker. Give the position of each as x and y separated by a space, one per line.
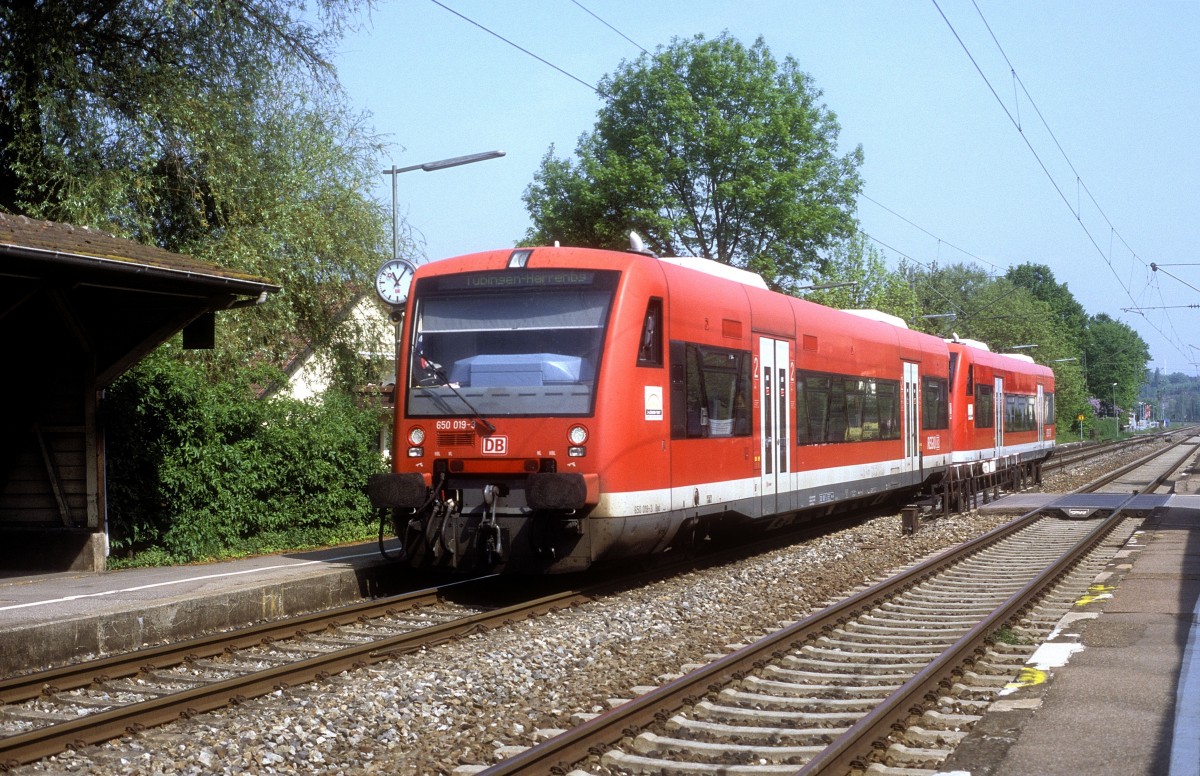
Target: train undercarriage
472 525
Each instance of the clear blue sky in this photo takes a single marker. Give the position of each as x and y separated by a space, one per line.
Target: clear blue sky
1116 82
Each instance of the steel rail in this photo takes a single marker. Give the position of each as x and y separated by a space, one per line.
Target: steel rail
558 754
848 750
1064 456
101 726
28 686
95 728
1121 471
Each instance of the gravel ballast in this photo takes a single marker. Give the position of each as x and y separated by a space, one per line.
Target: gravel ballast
462 703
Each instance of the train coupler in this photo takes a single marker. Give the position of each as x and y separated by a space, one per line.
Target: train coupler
489 530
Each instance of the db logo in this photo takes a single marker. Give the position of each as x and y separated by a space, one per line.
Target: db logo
495 445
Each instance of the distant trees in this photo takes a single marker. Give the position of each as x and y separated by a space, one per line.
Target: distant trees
707 148
1024 307
711 148
856 277
1027 306
1115 354
1175 397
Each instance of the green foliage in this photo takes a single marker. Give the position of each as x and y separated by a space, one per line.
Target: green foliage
205 127
1006 635
199 469
1115 354
1024 307
856 262
706 148
1068 313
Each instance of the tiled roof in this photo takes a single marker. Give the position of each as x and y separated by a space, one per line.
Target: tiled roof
29 237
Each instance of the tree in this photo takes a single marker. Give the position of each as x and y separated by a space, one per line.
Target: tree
870 284
1115 354
1039 279
207 127
1004 314
707 148
1176 397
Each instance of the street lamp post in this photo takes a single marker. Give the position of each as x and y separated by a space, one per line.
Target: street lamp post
826 286
1116 414
440 164
397 315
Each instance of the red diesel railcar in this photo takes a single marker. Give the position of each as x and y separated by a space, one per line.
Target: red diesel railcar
1007 406
556 407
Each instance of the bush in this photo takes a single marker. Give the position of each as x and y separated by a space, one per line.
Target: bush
202 470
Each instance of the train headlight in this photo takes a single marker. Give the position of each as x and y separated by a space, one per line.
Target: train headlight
577 435
416 438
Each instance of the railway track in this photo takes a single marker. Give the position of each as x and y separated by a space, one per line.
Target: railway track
886 681
70 707
47 712
1066 456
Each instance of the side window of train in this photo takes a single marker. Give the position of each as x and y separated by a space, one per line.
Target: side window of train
650 346
1048 409
845 408
985 409
935 405
710 391
1019 412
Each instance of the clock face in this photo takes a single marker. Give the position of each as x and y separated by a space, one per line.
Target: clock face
392 281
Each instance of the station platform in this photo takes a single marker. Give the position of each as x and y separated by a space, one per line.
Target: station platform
53 618
1116 690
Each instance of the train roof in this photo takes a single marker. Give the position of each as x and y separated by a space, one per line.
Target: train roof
1018 362
771 313
879 315
717 269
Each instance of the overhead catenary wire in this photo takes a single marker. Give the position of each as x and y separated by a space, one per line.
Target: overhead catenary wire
931 234
1014 119
644 50
518 47
1107 258
606 24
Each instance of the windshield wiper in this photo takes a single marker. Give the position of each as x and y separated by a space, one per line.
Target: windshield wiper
437 371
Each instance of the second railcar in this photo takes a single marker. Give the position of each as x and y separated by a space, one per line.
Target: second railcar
1005 406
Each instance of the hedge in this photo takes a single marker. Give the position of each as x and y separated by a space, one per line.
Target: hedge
198 469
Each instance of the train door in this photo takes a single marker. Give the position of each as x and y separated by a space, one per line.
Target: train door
911 420
999 414
1040 413
774 359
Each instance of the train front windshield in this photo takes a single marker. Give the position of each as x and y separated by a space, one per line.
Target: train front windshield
521 342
